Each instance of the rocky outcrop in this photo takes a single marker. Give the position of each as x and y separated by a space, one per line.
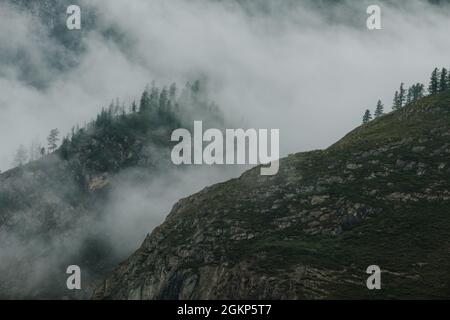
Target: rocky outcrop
379 196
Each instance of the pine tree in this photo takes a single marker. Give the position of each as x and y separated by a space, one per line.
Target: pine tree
133 107
418 91
396 103
196 86
402 95
144 104
367 116
433 87
163 99
123 111
20 157
448 79
52 140
116 107
379 109
409 96
443 82
173 91
154 97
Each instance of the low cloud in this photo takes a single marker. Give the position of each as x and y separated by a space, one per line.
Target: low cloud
308 71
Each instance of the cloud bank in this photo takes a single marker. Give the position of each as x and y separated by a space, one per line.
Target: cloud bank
308 70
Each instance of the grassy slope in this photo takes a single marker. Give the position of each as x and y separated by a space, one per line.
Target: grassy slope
399 237
379 196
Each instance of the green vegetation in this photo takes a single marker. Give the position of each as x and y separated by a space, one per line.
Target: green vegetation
122 137
379 196
439 82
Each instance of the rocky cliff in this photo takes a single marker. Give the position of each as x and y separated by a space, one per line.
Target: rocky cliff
379 196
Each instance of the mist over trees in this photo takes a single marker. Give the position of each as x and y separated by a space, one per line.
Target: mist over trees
52 140
137 134
118 127
110 178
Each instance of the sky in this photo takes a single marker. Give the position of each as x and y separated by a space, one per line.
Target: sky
309 74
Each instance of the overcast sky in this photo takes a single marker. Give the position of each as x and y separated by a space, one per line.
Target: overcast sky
310 75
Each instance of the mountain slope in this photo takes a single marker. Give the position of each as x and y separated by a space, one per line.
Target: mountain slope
379 196
63 209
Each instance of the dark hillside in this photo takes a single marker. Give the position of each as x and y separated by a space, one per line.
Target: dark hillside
380 196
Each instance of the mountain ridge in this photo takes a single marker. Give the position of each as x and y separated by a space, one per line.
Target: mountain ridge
54 211
379 196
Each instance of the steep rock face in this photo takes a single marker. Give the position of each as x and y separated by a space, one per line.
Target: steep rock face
380 196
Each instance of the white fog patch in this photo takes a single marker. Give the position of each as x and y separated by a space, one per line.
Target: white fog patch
297 70
135 208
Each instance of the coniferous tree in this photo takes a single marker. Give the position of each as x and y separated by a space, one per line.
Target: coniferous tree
414 92
173 92
52 140
433 87
396 103
154 97
163 99
448 79
409 96
418 91
196 86
144 104
133 107
379 109
443 82
367 116
123 113
64 150
402 95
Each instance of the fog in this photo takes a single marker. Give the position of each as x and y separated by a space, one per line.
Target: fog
309 72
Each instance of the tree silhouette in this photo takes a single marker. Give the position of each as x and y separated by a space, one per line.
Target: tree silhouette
433 87
133 107
396 103
443 82
144 104
367 116
52 140
379 109
417 91
401 95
